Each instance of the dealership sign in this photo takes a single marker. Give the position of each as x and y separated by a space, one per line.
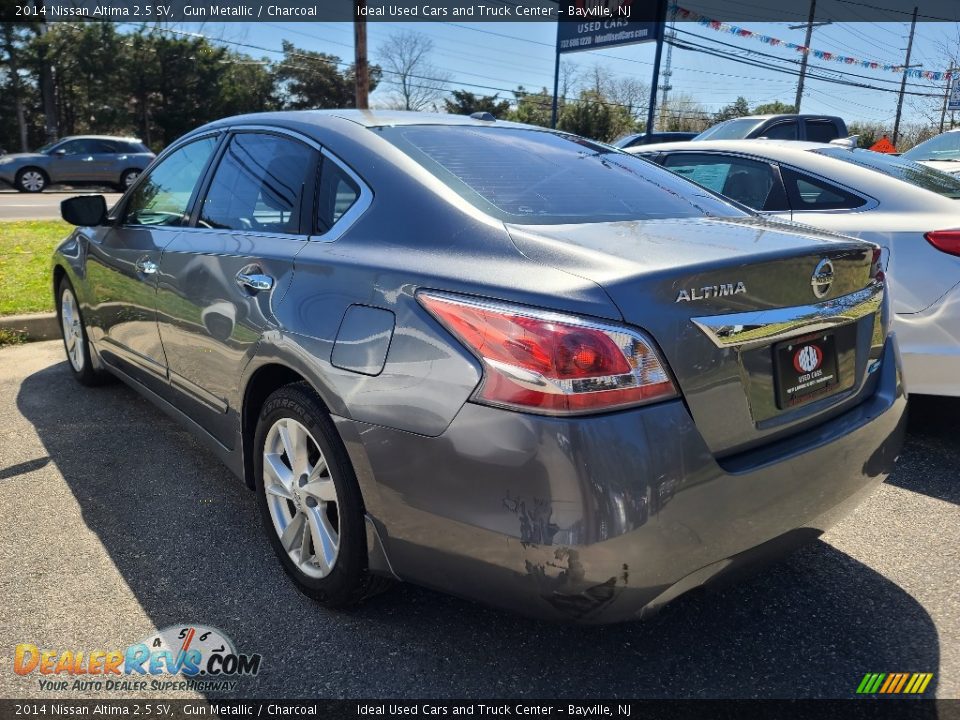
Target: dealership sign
953 103
595 24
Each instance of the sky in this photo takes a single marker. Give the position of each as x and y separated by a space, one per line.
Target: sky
490 58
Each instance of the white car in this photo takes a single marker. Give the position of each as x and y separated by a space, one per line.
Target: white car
909 210
941 152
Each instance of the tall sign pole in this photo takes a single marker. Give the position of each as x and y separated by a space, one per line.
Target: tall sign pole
903 81
655 83
361 68
556 81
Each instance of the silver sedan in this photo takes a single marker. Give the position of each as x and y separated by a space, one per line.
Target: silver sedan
909 209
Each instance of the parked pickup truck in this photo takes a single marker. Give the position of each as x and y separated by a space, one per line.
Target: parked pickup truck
814 128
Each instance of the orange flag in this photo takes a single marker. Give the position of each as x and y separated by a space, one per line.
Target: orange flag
883 145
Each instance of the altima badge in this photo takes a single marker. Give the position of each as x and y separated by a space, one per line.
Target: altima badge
711 291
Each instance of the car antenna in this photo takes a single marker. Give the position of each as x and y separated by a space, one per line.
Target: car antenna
483 115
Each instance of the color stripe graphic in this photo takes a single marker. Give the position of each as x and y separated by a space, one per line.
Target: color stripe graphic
894 683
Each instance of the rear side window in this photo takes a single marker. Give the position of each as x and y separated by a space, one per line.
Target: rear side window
540 177
821 131
258 185
338 193
751 182
103 147
806 192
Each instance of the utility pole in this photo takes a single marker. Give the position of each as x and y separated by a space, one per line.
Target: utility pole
903 81
810 25
666 87
946 93
361 68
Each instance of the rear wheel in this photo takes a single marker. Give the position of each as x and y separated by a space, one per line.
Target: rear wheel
75 337
309 499
31 180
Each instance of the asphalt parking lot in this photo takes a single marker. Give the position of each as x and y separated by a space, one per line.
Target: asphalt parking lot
43 206
115 522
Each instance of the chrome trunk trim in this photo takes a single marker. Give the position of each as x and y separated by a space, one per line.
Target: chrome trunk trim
762 327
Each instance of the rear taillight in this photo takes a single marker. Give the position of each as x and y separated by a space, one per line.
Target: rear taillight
539 361
876 267
947 241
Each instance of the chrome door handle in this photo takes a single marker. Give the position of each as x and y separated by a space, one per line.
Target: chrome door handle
146 266
254 281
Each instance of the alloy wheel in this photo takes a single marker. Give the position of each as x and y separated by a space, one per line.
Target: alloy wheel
301 497
72 329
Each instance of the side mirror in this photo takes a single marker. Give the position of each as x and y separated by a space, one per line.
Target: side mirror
60 152
84 210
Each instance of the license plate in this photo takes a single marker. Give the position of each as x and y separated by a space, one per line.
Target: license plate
805 369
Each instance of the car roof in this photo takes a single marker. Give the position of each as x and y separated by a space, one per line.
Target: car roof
755 146
125 138
375 118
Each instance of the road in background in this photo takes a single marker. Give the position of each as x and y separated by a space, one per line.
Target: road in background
115 521
43 206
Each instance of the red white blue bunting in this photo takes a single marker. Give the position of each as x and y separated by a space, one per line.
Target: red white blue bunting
685 14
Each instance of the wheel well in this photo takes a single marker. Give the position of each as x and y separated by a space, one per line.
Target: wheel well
40 170
130 169
58 275
265 381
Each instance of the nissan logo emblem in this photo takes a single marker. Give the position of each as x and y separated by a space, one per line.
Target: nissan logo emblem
822 278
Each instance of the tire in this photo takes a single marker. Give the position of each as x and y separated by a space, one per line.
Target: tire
325 551
127 178
75 341
31 180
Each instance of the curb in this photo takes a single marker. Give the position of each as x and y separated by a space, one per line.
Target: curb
36 326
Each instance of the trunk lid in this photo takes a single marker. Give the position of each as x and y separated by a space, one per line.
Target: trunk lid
722 297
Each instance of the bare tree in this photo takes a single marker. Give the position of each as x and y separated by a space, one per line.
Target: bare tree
628 92
413 81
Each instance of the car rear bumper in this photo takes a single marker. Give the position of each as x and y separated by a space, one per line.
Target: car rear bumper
603 519
930 345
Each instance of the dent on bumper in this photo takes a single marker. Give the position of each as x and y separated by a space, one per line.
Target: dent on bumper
606 518
930 344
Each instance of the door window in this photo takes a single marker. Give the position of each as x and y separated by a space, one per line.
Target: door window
258 185
77 147
163 198
806 192
781 131
821 131
751 182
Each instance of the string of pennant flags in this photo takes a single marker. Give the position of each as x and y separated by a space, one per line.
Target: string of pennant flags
685 14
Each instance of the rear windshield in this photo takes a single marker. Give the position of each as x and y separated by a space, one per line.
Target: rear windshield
898 167
730 130
942 147
539 177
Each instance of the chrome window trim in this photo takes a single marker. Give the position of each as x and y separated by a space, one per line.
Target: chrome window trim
744 330
359 207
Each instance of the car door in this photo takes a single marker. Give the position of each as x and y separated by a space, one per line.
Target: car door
750 181
71 161
220 279
123 260
104 154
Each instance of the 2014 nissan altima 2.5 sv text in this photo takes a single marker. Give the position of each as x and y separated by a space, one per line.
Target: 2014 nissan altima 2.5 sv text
496 360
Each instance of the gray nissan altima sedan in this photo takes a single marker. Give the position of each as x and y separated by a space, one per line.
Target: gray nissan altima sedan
497 360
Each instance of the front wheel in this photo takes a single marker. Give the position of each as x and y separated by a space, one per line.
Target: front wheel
31 180
128 178
75 340
309 499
